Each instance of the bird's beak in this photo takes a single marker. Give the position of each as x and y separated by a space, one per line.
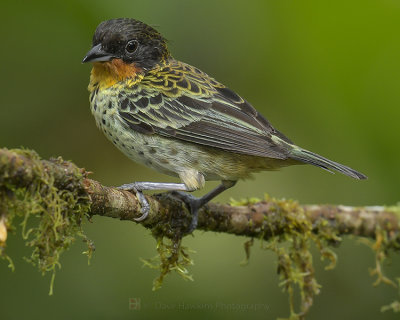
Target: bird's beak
97 54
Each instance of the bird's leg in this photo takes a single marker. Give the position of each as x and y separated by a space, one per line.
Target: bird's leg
194 204
138 187
167 186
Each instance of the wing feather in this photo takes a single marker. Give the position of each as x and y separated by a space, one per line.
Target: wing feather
182 102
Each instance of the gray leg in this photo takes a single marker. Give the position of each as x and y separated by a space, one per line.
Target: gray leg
138 187
194 204
155 186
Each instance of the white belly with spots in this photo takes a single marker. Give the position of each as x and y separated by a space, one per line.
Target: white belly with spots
168 155
159 153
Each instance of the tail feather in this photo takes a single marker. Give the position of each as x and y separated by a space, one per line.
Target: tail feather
319 161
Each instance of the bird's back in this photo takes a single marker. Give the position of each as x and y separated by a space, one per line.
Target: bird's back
175 116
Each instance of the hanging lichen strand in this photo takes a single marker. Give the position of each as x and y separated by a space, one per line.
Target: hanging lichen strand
51 200
52 206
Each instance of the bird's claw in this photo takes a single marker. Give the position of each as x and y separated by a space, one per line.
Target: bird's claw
144 204
193 204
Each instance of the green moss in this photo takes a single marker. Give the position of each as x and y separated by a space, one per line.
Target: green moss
290 236
243 201
395 305
51 217
394 209
51 212
172 256
294 236
247 246
385 242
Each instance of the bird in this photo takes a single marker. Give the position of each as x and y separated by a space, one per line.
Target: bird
174 118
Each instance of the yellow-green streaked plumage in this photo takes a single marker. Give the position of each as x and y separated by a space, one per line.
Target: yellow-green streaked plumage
128 107
176 119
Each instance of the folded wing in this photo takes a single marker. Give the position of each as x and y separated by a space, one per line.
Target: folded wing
184 103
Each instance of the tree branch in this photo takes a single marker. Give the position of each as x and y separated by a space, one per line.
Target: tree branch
60 194
262 219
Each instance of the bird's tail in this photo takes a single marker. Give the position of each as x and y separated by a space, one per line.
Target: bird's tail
319 161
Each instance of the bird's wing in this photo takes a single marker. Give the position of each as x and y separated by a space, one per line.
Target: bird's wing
182 102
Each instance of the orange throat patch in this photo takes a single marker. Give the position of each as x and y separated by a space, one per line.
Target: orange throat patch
106 74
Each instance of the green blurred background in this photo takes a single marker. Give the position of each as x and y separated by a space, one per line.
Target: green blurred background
326 73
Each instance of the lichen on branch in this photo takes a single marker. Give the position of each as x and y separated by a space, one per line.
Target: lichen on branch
53 198
49 198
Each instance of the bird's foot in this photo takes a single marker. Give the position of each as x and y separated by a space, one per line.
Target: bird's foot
193 204
144 204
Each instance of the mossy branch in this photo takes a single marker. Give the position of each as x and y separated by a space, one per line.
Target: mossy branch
259 219
60 194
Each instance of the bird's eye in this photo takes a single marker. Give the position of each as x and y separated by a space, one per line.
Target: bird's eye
131 46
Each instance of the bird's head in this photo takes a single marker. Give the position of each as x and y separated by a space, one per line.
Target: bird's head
123 47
